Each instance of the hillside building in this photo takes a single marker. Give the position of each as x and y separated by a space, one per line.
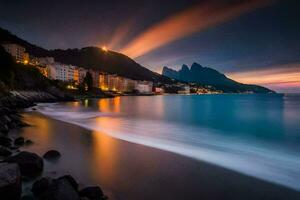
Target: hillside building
144 87
17 52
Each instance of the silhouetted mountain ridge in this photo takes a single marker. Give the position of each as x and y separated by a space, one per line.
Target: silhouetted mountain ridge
90 58
208 76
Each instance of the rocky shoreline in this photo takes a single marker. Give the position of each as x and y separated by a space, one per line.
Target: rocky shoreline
17 166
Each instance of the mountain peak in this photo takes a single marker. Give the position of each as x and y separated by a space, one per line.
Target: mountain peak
185 68
208 76
194 65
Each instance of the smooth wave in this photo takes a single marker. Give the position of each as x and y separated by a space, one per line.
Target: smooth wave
261 160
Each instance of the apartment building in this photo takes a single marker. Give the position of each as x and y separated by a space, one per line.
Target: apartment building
144 87
17 52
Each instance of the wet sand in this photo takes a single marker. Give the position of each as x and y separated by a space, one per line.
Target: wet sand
130 171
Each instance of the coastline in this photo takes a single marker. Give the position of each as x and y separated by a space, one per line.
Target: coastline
21 169
133 171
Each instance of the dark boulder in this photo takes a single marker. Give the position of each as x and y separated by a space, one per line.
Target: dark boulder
41 186
28 142
92 193
27 197
6 119
30 164
52 155
4 151
54 189
5 141
10 181
71 180
4 128
19 141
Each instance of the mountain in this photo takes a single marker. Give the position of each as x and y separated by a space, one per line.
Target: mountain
107 61
208 76
90 58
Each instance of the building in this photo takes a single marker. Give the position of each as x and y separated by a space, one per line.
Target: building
185 90
76 75
144 87
109 82
124 85
81 74
17 52
95 77
58 71
71 73
159 90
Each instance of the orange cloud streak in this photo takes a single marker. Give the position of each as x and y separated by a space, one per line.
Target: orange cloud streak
282 76
186 23
120 34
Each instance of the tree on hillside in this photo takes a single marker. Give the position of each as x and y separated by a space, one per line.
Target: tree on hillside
88 81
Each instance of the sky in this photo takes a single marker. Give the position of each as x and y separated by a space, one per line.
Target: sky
251 41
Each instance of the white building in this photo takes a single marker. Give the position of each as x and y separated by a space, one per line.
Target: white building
17 52
62 72
144 87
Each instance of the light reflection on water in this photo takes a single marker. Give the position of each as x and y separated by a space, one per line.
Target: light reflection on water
258 135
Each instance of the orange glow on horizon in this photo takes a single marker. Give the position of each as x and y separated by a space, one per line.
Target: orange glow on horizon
180 25
282 76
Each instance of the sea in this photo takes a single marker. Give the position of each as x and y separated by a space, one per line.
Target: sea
253 134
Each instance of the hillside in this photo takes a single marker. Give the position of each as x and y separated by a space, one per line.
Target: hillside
90 58
208 76
107 61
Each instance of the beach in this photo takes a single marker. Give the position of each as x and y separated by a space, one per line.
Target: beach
126 170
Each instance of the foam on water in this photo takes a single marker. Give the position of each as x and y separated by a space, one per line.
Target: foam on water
265 161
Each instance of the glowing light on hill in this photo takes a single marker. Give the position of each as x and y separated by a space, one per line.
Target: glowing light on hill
182 24
104 48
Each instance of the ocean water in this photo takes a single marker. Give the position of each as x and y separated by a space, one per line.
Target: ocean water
257 135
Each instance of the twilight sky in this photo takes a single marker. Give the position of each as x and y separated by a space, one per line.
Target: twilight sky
252 41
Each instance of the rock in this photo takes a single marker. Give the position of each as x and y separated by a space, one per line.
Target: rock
5 141
4 128
92 193
54 189
27 197
71 180
14 147
12 125
4 151
19 141
30 164
28 142
10 181
41 186
52 155
15 117
6 119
